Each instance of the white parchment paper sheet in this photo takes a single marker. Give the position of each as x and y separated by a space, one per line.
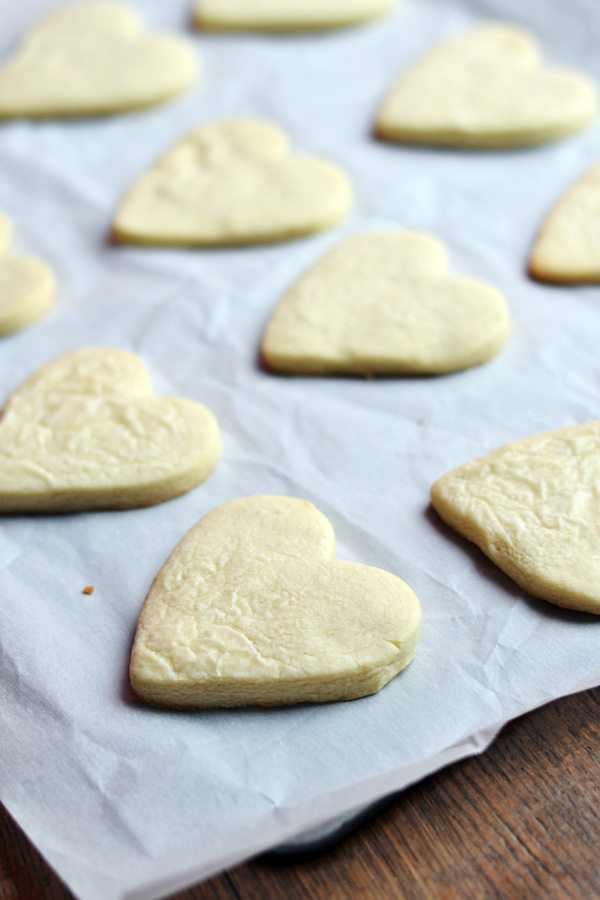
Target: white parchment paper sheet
129 802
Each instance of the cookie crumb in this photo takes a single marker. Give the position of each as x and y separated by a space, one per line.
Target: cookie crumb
421 422
89 589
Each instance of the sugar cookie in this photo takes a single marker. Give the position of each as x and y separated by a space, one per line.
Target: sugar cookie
26 286
86 432
232 183
532 507
567 250
252 609
385 304
89 59
285 15
486 89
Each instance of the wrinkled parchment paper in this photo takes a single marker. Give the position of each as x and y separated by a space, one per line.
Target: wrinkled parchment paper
125 801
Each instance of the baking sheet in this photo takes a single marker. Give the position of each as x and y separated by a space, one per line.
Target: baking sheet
125 801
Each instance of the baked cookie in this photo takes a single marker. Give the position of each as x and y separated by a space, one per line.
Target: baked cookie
26 286
252 609
230 183
385 304
86 432
486 89
532 507
285 15
90 59
567 250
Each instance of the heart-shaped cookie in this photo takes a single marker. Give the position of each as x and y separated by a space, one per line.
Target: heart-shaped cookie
90 59
87 432
567 250
385 304
26 286
486 89
532 507
252 609
285 15
232 183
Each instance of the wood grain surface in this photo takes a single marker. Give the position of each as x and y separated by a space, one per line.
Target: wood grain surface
520 822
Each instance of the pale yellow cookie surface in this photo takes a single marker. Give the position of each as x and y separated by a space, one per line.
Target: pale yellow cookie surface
90 59
233 182
285 15
27 288
87 432
567 250
252 609
532 507
385 304
486 89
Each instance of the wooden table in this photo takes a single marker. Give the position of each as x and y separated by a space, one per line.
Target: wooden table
520 822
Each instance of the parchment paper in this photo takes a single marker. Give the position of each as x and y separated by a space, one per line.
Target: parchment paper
129 802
